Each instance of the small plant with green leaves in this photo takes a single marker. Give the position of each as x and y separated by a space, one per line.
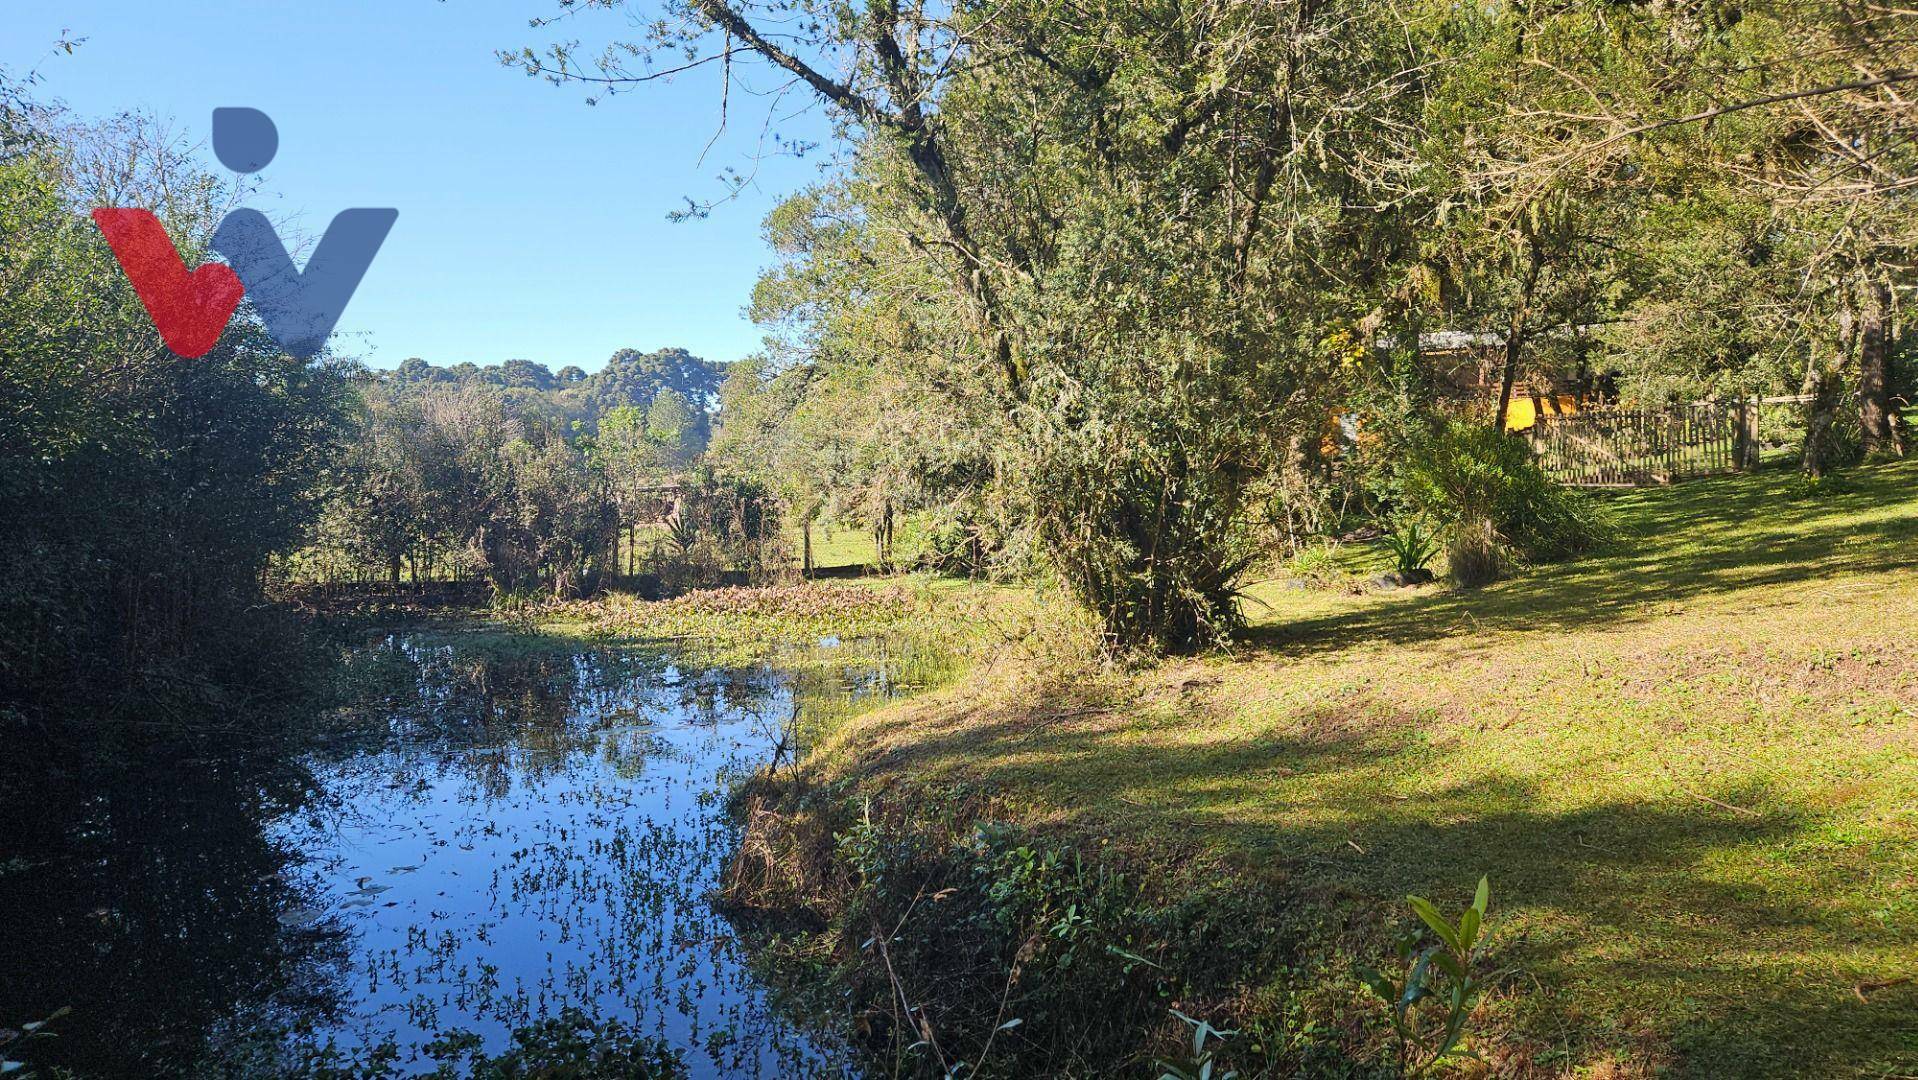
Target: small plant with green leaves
682 532
1430 1006
1413 545
1201 1063
1317 566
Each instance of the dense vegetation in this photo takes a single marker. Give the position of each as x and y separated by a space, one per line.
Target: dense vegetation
1090 280
527 478
1117 294
1130 298
147 500
141 494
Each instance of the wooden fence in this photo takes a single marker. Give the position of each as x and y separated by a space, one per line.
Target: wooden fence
1636 447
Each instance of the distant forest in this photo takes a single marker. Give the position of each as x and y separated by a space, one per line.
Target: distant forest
533 479
630 379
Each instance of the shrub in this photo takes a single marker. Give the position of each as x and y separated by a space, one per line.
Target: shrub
700 564
1430 1004
1411 543
1494 503
1318 567
1472 554
958 541
975 948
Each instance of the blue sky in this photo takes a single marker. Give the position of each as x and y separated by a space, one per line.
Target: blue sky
531 224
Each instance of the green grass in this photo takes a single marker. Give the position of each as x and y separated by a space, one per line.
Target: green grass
748 624
839 544
835 546
1689 766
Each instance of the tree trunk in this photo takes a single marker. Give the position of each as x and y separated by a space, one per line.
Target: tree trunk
1821 385
805 544
882 538
1876 420
1511 373
1515 333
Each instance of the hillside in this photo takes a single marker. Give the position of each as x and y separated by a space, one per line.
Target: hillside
1689 766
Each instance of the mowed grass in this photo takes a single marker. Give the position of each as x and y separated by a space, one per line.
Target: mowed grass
835 546
1689 767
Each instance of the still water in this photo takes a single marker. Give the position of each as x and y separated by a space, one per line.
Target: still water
489 836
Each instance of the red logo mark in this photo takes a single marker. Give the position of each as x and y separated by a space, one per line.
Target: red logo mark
190 310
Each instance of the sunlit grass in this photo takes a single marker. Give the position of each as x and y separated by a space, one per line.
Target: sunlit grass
836 546
748 624
1690 767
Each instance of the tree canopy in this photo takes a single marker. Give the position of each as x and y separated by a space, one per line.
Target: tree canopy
1092 281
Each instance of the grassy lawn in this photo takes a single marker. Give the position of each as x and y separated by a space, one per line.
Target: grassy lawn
836 545
1689 766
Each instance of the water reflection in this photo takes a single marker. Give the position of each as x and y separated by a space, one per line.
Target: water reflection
502 833
147 898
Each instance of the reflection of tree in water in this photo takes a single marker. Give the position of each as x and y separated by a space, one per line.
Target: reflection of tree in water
141 890
584 788
510 715
476 809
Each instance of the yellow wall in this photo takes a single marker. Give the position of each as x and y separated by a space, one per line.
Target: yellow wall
1521 414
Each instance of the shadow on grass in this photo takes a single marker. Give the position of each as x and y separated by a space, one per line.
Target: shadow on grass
1630 915
1673 920
1677 544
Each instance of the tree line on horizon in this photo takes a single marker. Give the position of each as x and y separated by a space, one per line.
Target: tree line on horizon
628 378
532 480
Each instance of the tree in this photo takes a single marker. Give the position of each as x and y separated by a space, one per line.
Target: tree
141 495
1095 194
634 378
635 465
1800 110
524 375
675 425
413 369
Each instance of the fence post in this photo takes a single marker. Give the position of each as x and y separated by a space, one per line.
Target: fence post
1745 435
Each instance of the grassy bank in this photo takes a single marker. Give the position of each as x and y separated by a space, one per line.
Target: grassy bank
748 620
1690 767
968 622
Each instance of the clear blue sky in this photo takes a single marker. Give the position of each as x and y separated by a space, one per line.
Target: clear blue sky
531 224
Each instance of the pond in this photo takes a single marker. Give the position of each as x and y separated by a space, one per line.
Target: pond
498 835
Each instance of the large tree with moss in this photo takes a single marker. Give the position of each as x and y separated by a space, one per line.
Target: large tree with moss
1124 211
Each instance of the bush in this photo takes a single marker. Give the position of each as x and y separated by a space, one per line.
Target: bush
976 948
1472 555
1318 567
1411 543
141 496
1494 504
966 540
